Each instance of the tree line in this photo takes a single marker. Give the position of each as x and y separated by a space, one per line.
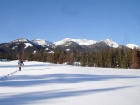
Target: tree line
113 58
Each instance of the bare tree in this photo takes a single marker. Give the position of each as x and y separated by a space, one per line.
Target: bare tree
70 58
135 59
60 59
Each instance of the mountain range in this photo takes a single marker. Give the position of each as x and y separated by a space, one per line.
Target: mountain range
67 44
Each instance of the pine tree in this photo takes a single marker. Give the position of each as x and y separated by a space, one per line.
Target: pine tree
30 56
91 59
83 60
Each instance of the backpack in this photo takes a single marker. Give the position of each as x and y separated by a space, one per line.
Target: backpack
19 62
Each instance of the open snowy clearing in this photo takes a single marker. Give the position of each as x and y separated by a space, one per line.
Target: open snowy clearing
53 84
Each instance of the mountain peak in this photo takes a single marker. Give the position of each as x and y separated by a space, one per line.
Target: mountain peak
111 43
42 42
108 39
20 40
132 46
78 41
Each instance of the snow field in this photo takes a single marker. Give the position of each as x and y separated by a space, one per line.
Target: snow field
54 84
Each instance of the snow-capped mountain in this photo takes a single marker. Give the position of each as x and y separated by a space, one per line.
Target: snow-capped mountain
42 42
132 46
67 44
78 41
25 41
85 45
20 40
19 45
110 43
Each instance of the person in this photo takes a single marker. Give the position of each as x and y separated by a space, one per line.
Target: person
20 63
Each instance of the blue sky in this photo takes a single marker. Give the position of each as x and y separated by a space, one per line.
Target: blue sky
54 20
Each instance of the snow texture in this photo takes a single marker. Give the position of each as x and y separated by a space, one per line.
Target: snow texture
54 84
51 52
111 43
20 40
15 47
132 46
27 45
67 49
78 41
42 42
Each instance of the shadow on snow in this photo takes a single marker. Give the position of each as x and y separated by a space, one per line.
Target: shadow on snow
27 98
25 80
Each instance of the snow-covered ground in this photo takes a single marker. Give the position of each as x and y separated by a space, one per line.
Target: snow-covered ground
53 84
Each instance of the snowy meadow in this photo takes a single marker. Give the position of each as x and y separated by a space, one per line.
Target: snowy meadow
41 83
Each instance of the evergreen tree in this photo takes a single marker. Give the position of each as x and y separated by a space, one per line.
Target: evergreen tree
83 60
23 55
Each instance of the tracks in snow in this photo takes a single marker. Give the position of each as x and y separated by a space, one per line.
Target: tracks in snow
3 78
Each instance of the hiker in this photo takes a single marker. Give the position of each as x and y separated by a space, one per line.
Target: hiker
20 63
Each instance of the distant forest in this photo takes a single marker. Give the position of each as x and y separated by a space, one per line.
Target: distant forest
113 58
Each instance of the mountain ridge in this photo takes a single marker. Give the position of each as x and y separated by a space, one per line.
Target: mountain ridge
107 41
44 42
18 45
